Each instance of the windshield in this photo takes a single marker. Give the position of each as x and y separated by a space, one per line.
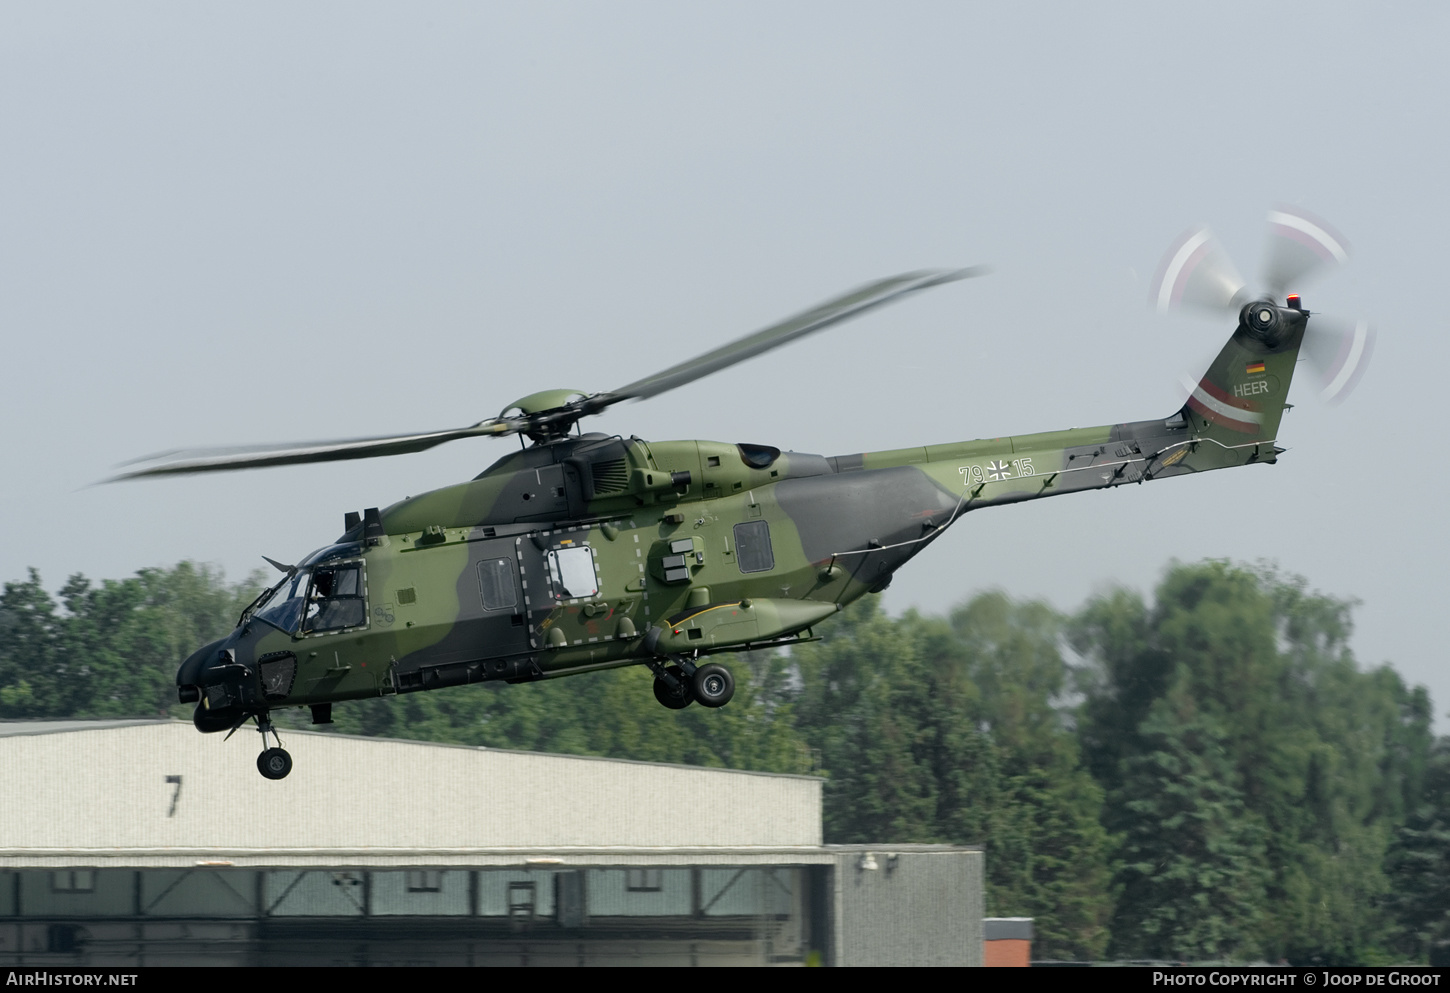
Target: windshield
283 608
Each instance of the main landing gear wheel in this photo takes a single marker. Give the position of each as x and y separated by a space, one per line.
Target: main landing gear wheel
274 763
714 686
674 698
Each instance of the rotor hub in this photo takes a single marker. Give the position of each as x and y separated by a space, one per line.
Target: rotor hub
1263 320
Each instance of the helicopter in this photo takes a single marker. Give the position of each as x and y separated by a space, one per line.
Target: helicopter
584 551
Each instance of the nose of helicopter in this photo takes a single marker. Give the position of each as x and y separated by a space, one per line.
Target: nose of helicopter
188 676
220 679
191 674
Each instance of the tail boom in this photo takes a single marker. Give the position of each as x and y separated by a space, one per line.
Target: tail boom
1231 418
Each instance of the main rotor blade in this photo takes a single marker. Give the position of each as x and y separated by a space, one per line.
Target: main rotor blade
190 460
1197 272
1299 244
833 311
543 423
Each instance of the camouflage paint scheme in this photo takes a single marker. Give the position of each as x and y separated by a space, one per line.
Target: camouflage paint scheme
456 585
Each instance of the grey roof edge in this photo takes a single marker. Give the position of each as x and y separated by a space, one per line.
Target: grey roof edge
533 853
1007 929
516 858
555 858
21 728
887 848
100 724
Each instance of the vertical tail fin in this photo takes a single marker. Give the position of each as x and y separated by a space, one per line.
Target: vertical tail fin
1242 396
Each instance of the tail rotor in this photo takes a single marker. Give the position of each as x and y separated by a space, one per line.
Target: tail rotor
1300 247
1197 273
1339 351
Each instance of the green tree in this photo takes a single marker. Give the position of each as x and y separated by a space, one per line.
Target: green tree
864 706
1192 856
1326 759
29 631
1418 866
953 731
112 649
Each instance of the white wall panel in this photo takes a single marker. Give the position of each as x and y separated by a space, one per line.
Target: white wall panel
106 789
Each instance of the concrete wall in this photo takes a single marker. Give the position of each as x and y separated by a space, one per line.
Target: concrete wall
147 843
916 907
114 789
749 915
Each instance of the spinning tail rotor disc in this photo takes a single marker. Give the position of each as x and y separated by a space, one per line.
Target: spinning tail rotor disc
1300 247
1196 273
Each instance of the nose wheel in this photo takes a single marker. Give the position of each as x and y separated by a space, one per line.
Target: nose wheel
273 763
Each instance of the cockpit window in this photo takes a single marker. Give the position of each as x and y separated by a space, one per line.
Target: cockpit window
283 609
336 599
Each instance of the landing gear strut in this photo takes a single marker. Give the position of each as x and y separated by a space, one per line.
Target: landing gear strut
273 763
678 685
673 688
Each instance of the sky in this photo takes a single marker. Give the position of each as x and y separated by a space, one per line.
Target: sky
229 224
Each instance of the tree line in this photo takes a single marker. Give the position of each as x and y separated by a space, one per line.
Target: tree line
1204 775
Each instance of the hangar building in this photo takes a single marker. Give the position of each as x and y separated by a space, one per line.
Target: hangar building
142 843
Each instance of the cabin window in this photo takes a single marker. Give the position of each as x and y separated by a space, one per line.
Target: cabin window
496 584
425 881
523 898
644 880
752 547
571 571
73 881
336 599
